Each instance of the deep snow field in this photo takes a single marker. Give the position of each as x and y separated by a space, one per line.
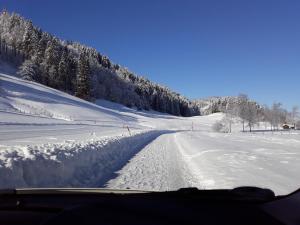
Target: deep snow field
51 139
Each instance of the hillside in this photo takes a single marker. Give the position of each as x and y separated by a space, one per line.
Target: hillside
80 70
29 109
217 104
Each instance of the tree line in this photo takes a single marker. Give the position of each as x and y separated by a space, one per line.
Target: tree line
80 70
250 114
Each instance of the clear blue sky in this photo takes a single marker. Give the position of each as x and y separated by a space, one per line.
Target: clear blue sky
198 48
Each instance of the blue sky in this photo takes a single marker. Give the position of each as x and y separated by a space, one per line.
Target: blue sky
198 48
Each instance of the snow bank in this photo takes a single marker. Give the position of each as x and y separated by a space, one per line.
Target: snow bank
74 164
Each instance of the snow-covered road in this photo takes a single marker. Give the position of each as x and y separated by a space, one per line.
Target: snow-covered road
212 160
159 166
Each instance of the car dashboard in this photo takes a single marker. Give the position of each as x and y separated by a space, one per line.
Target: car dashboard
246 205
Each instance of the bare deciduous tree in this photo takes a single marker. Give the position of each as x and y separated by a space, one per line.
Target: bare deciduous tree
242 108
251 115
294 115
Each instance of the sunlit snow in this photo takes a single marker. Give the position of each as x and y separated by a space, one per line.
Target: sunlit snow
51 139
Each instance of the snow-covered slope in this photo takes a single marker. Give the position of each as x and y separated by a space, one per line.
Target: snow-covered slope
217 104
33 52
30 98
214 104
48 133
51 139
41 114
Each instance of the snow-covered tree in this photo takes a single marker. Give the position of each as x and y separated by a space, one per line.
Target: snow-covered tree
243 108
30 39
63 71
278 115
251 115
83 78
231 112
295 115
28 70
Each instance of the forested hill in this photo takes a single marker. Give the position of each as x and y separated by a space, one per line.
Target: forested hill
81 70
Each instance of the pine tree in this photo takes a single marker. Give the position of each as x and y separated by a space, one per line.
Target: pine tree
40 49
50 63
62 71
83 78
30 40
72 72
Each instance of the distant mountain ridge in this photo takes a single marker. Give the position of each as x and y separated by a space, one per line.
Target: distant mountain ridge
80 70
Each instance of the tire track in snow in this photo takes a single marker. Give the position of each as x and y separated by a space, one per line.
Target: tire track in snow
159 167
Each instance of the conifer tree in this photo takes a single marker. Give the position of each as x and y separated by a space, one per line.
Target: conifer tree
83 78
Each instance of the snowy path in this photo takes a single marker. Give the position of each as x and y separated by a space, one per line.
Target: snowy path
159 166
212 160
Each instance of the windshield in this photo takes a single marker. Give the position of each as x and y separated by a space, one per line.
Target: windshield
150 95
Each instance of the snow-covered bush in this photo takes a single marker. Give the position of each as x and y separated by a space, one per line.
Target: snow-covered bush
28 70
218 126
223 126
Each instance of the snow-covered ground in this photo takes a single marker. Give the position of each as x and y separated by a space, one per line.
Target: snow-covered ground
214 160
51 139
34 114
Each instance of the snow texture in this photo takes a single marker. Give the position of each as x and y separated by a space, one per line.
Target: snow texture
51 139
80 164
